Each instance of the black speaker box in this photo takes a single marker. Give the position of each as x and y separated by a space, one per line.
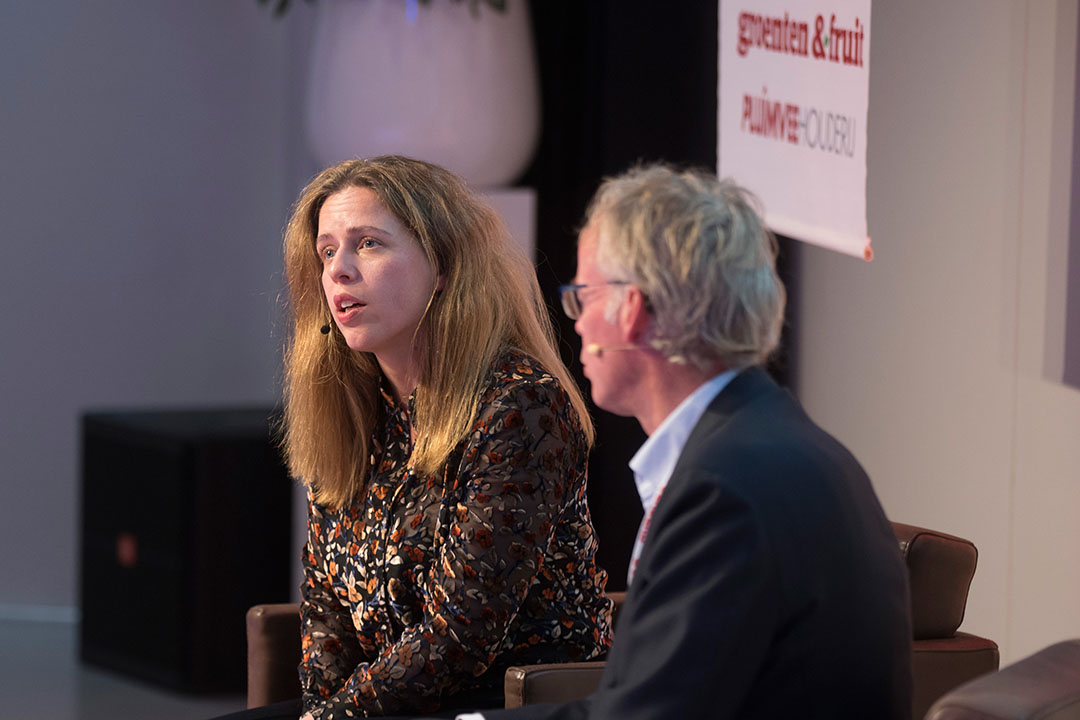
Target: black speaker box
186 522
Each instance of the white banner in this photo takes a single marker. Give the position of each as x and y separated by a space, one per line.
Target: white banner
794 88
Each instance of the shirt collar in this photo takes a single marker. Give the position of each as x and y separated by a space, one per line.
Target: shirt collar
655 460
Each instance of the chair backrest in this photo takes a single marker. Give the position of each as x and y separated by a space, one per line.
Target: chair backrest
1045 686
940 569
273 635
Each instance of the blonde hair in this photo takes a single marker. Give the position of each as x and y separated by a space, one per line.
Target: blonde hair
490 302
699 252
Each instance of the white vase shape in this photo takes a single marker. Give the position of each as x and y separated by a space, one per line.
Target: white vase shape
454 83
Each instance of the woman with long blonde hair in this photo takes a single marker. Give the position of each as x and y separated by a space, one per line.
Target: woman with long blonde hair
443 443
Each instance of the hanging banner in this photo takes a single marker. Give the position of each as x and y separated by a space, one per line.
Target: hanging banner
794 89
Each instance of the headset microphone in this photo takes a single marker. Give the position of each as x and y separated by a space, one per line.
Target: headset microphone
599 350
325 329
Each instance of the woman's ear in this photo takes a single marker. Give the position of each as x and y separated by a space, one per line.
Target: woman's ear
440 282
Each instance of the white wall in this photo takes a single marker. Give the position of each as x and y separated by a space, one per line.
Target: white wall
149 155
931 361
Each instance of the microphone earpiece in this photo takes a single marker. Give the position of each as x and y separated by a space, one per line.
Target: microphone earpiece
325 329
598 350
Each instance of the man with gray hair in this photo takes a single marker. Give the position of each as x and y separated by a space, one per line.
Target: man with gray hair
765 581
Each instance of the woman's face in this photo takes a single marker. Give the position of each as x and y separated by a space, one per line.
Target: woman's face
375 276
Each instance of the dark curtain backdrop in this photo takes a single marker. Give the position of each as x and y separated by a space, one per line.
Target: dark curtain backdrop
622 81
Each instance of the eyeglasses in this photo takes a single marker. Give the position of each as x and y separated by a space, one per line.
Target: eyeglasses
571 298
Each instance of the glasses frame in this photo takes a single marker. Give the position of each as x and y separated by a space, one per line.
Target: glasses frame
571 301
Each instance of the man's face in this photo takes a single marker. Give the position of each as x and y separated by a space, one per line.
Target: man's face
606 371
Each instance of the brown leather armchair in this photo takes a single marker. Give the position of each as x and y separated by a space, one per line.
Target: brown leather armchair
273 640
1044 686
940 568
273 633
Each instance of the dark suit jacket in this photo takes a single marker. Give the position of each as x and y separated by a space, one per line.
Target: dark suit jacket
770 584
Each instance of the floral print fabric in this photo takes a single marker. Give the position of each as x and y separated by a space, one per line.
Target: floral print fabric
429 587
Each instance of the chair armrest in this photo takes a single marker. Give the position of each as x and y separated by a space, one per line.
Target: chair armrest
1045 685
551 683
556 682
273 637
940 568
939 665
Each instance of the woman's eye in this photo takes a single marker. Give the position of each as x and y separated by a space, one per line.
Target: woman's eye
326 253
368 243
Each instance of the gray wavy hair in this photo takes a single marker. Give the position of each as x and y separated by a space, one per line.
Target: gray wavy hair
697 249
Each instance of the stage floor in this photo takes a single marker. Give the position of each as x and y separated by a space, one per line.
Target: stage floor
41 677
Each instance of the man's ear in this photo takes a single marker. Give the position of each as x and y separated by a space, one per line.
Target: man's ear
634 315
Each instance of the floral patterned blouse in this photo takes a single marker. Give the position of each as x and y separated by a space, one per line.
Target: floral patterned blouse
428 588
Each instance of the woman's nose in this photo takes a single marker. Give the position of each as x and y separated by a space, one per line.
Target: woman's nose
341 267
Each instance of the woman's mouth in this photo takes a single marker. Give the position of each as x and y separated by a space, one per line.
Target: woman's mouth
348 308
